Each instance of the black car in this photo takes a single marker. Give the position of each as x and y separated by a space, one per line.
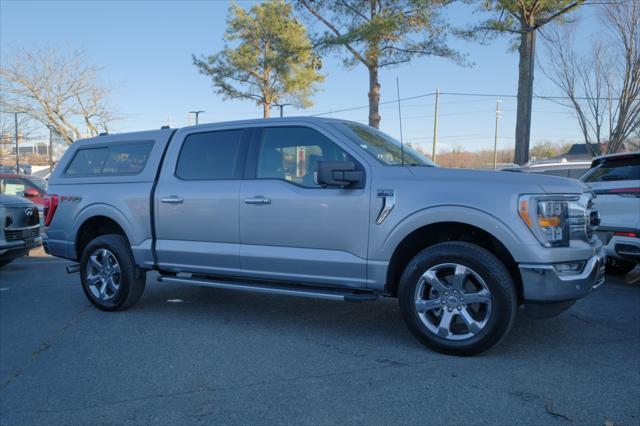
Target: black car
20 230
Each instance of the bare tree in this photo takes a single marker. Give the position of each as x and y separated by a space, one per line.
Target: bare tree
56 88
603 86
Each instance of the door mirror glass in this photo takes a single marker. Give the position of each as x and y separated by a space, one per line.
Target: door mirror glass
339 173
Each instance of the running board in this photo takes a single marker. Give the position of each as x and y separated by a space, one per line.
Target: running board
344 295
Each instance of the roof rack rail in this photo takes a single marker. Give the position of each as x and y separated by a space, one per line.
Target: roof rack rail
103 133
165 127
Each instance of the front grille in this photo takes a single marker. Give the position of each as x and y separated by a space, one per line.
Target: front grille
21 234
589 228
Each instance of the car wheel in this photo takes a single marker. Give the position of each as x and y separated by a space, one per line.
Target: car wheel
457 298
618 266
110 278
5 262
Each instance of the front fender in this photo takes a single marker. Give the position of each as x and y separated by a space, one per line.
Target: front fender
449 213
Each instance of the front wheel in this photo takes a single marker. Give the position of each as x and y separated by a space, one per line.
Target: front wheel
110 278
457 298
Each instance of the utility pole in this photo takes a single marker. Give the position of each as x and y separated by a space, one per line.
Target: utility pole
50 150
15 121
281 106
197 114
400 119
495 138
435 126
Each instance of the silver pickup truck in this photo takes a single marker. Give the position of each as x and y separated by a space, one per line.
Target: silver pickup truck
323 208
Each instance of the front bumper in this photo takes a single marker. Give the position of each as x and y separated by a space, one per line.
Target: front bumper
9 248
542 284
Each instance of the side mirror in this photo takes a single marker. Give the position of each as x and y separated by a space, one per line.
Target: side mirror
31 193
338 173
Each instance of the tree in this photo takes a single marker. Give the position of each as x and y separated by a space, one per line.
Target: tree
524 18
56 88
603 86
381 33
273 59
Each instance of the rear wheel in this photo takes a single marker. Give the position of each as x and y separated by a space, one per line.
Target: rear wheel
457 298
110 278
618 267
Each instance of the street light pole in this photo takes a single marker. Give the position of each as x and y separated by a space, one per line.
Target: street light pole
281 106
15 120
197 114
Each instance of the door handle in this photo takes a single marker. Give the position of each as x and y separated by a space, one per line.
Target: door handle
258 200
172 200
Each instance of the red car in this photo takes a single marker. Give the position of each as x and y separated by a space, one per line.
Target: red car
31 187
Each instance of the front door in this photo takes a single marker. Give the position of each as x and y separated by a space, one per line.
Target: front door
196 203
291 229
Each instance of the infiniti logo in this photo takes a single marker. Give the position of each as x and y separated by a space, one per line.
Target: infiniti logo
28 212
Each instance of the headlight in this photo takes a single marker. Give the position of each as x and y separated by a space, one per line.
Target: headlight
547 217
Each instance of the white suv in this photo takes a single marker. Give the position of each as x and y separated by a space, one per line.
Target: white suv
615 179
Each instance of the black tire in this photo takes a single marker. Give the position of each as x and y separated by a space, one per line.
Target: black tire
131 279
618 266
5 262
502 295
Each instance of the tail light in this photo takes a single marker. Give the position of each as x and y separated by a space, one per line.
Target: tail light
626 234
50 206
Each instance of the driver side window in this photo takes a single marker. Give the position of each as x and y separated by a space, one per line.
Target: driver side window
293 154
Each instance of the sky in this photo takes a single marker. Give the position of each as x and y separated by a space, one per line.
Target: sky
144 49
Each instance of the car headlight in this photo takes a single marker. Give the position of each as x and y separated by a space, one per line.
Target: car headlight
547 217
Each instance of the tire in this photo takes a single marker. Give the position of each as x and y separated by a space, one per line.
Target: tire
618 266
110 278
429 284
5 262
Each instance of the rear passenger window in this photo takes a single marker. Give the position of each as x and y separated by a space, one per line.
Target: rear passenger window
209 155
117 159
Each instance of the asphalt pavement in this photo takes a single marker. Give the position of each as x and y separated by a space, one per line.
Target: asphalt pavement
191 355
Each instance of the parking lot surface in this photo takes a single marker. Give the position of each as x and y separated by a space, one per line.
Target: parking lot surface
197 355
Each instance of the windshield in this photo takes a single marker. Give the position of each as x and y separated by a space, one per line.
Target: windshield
40 183
381 146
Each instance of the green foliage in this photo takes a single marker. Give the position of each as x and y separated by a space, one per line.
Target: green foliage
516 16
268 57
383 32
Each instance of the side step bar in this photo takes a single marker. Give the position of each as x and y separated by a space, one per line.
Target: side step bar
282 289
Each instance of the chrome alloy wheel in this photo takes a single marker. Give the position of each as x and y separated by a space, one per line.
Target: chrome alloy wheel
453 301
103 274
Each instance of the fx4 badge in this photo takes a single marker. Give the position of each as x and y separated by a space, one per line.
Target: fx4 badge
388 203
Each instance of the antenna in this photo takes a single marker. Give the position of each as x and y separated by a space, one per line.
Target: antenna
400 119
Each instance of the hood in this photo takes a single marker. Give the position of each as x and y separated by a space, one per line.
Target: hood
12 200
523 183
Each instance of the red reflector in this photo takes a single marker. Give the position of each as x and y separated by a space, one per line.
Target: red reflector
50 206
625 190
626 234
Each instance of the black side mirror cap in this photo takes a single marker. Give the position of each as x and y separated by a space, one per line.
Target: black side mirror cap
339 173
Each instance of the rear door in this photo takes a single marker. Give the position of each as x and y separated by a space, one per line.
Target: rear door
616 183
196 202
291 228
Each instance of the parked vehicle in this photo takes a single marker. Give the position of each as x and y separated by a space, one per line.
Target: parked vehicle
20 229
615 179
568 169
31 187
328 209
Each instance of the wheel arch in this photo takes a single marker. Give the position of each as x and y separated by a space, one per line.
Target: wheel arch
99 220
429 228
